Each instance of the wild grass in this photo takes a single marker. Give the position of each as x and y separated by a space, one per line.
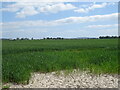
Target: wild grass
21 58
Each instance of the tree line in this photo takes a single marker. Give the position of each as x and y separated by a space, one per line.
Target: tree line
50 38
108 37
60 38
47 38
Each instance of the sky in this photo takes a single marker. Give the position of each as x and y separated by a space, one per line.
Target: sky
58 19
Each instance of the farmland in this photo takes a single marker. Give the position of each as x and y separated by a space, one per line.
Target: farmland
22 57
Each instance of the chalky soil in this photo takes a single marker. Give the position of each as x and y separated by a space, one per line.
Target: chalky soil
75 79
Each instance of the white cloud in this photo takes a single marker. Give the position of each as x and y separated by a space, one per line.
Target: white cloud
91 7
38 0
23 9
69 20
56 8
85 19
103 26
26 11
57 1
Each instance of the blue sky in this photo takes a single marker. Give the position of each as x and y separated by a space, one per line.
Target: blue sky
59 19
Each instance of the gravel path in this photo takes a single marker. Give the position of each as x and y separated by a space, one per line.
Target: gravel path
76 79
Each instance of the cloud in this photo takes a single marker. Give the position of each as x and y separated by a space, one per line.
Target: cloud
113 16
64 21
39 0
57 0
91 7
103 26
23 9
56 8
27 11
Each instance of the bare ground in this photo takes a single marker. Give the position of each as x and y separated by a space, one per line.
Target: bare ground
75 79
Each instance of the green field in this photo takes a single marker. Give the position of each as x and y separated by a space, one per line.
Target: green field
22 57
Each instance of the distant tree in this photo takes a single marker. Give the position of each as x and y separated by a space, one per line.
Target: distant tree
32 38
48 38
58 37
17 39
108 37
22 38
26 38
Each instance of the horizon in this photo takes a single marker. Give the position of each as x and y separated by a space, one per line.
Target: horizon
60 37
59 19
